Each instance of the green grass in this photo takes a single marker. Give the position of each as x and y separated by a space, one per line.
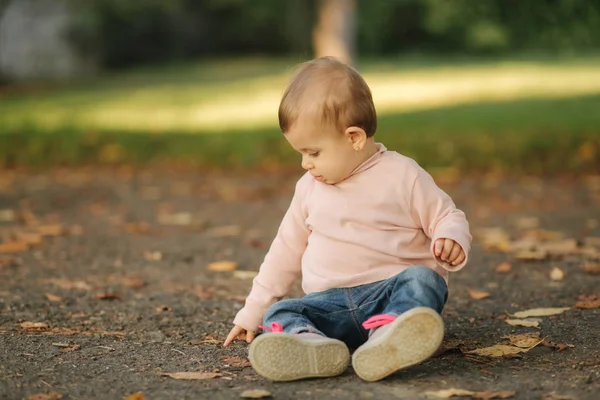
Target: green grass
534 115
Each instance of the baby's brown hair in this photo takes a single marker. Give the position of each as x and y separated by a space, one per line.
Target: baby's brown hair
335 91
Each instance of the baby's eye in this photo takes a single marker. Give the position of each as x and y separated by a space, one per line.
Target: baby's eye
315 154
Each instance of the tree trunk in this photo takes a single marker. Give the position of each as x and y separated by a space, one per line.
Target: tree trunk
334 33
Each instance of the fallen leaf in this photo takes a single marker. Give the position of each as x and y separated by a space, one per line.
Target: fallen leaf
71 348
31 238
537 254
135 396
133 282
255 394
68 284
592 268
588 302
524 223
178 219
192 375
558 346
76 230
153 256
160 309
555 396
13 247
9 262
540 312
503 268
532 323
245 274
45 396
50 230
477 295
495 239
236 362
7 215
224 231
498 350
525 340
201 293
221 266
447 393
138 228
557 274
592 241
34 326
108 296
53 297
209 340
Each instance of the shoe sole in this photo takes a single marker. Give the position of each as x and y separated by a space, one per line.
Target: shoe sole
286 357
412 338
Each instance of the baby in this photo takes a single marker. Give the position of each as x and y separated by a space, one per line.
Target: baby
369 231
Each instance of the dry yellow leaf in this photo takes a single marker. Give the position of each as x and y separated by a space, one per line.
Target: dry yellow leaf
454 392
530 323
447 393
557 274
592 268
50 230
540 312
221 266
477 295
225 231
537 254
498 350
503 268
34 326
245 274
53 297
255 394
45 396
525 340
135 396
13 247
30 238
192 375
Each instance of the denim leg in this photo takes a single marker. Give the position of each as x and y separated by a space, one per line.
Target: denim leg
330 313
414 287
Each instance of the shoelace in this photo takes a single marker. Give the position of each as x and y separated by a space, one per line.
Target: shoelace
378 320
275 327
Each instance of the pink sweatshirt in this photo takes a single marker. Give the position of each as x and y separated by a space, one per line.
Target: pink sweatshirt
379 221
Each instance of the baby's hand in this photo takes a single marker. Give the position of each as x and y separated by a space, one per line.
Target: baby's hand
237 332
449 251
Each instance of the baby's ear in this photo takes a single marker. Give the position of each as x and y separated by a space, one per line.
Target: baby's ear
356 136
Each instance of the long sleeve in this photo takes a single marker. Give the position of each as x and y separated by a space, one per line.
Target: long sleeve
437 215
282 264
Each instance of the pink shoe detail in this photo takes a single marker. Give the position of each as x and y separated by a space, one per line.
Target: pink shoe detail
275 327
378 320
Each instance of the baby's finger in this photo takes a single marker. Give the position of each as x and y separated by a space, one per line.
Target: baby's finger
250 336
456 250
461 257
235 332
448 244
437 247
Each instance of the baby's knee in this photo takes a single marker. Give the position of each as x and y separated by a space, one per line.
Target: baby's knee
282 307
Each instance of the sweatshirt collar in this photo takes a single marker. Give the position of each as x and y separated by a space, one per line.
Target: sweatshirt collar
371 161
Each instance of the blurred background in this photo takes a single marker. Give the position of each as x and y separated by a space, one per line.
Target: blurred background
460 85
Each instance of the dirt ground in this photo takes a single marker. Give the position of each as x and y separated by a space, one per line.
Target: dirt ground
114 289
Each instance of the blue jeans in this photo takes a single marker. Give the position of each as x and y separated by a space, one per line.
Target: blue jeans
339 313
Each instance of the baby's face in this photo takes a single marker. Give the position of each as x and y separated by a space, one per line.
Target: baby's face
326 153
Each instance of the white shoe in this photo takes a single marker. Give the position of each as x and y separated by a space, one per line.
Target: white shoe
409 339
282 356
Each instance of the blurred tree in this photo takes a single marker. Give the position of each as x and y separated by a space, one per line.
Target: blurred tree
335 32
